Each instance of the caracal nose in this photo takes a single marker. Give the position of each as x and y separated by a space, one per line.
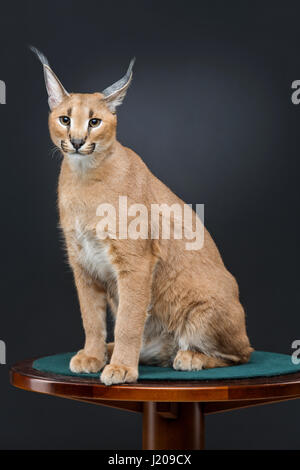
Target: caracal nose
77 143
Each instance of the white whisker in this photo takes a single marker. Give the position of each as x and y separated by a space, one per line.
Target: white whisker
53 152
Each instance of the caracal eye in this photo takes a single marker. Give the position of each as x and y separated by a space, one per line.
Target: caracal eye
95 122
65 120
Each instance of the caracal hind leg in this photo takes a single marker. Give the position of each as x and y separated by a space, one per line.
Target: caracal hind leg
110 350
213 337
92 299
194 360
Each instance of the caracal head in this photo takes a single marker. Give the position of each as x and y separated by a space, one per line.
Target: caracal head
83 124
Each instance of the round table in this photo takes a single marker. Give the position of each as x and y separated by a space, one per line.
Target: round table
173 412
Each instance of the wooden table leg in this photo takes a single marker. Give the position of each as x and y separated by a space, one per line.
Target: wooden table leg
180 428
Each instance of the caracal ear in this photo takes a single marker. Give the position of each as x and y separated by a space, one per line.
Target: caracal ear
115 93
55 90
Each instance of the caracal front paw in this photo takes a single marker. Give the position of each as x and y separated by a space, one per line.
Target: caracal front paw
118 374
84 363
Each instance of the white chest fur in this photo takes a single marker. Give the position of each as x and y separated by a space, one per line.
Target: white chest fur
93 255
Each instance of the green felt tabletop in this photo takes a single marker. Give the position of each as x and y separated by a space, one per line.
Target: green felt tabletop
262 364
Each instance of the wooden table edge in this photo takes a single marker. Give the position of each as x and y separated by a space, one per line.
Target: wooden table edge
23 376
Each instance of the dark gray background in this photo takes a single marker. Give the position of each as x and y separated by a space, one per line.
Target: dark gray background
210 113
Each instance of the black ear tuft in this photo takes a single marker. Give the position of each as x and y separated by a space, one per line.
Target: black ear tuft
43 59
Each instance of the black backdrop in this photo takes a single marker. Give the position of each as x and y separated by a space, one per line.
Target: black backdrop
210 113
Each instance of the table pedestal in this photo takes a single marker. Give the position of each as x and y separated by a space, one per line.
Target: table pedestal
175 426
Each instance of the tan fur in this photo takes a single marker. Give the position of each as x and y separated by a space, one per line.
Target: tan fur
188 301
